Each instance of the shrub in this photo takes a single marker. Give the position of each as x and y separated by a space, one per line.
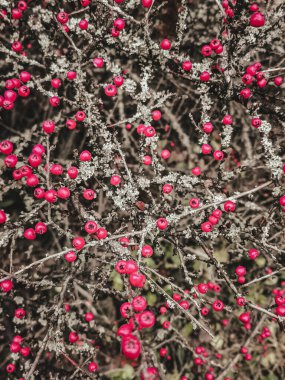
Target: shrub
142 207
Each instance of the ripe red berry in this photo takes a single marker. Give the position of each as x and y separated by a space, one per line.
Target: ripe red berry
203 288
206 227
119 24
25 351
40 228
240 270
17 46
73 337
70 124
29 234
85 155
162 223
91 227
54 101
137 280
147 160
126 309
245 93
70 256
244 317
78 243
147 251
206 149
3 217
165 154
205 76
196 171
101 233
48 126
253 254
131 267
118 80
89 194
131 347
16 14
147 3
89 317
121 267
6 147
208 127
194 202
146 319
241 301
39 193
257 20
98 62
83 24
115 180
56 83
247 79
278 81
50 196
166 325
187 65
125 330
206 50
72 172
165 44
15 347
10 368
62 17
167 188
139 303
92 367
6 285
229 206
227 120
110 90
256 122
63 192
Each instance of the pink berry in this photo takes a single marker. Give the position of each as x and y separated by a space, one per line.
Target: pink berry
165 44
162 223
257 20
98 62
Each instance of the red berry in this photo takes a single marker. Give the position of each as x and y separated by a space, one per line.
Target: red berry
70 256
6 285
48 126
29 234
257 20
139 303
92 367
187 65
62 17
229 206
78 243
137 280
162 223
110 90
3 217
165 44
98 62
40 228
73 337
240 270
147 251
119 24
89 317
131 347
